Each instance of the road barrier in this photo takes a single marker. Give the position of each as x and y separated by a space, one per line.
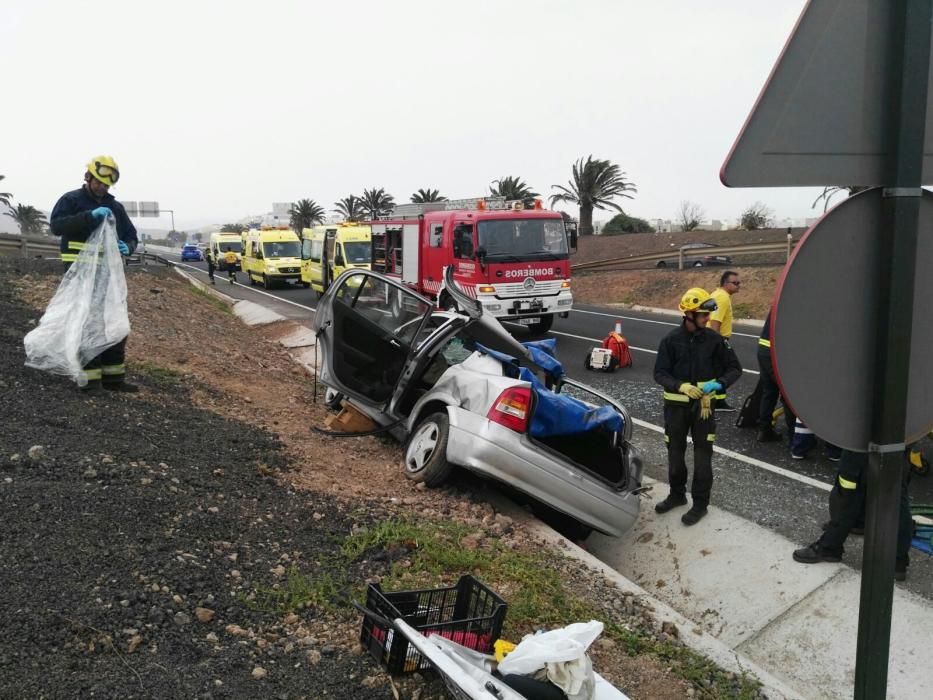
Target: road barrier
29 246
785 247
46 247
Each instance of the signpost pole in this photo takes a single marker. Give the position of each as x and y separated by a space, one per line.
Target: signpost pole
908 80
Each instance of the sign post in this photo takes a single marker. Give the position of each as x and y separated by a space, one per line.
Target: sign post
847 104
908 79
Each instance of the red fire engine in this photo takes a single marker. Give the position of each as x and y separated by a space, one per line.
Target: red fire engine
514 260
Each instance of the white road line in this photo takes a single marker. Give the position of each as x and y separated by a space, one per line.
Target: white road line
748 460
252 289
632 347
646 320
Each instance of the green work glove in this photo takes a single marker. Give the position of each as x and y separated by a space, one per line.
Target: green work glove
691 390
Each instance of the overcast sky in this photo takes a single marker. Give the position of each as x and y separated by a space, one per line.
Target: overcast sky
216 109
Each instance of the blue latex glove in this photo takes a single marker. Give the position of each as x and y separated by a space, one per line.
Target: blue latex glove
101 213
712 386
124 248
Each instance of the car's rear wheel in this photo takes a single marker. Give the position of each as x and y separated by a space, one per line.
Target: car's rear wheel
252 281
265 281
698 263
426 452
661 263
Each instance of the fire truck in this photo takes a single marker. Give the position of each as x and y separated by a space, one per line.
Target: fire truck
514 260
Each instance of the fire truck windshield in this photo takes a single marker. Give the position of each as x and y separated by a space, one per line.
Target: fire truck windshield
525 239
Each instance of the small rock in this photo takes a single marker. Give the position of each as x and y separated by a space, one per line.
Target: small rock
36 453
204 614
670 628
156 615
328 650
212 638
145 481
313 656
213 509
177 599
90 473
278 571
15 457
181 619
259 673
106 459
235 573
292 619
318 516
236 631
133 644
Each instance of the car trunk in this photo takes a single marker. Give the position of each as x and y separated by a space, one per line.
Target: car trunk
594 452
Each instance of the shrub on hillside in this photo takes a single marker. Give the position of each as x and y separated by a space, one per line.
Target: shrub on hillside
623 223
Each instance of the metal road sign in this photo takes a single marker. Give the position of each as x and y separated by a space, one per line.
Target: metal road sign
131 208
149 209
823 327
823 116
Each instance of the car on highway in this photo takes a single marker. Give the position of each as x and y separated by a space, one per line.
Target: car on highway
190 251
459 391
693 257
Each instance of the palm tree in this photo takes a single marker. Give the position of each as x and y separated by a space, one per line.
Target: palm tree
428 195
350 208
830 192
377 202
304 214
5 196
595 183
512 188
29 219
232 228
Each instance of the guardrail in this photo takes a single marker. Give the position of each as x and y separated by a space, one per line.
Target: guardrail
29 246
45 247
785 247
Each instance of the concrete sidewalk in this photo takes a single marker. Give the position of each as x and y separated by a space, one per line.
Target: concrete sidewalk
738 582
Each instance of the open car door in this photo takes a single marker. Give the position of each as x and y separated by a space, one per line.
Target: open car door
367 325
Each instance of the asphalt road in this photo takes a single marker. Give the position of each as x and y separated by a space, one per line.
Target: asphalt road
757 481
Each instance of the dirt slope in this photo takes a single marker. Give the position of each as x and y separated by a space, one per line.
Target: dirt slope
127 517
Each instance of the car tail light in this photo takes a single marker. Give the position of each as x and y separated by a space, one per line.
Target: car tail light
512 409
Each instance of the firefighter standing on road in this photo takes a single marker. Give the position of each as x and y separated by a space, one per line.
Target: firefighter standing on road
74 218
693 364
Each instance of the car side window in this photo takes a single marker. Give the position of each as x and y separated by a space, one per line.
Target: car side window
397 311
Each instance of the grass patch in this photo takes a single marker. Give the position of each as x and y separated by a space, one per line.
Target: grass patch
742 310
297 591
434 554
210 299
163 375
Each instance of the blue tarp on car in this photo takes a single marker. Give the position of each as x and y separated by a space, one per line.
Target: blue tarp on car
555 414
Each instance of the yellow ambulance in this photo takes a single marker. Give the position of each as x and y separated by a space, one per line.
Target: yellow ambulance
326 251
271 255
219 244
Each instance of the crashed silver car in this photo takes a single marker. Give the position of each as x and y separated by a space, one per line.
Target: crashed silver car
458 390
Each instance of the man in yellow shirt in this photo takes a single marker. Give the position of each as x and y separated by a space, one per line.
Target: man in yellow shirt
721 319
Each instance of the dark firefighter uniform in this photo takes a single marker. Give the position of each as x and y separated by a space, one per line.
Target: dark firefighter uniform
71 220
695 358
847 511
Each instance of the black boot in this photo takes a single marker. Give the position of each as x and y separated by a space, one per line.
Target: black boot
124 387
768 435
694 515
814 554
670 502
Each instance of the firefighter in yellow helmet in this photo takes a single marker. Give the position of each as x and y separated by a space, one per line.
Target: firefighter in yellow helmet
693 364
74 218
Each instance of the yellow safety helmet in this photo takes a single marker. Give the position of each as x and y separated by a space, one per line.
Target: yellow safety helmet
697 299
105 169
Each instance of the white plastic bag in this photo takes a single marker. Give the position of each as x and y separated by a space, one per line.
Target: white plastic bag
88 313
562 654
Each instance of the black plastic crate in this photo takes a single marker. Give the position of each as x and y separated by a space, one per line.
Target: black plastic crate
468 613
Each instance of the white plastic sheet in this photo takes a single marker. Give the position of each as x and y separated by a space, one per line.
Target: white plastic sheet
88 313
562 654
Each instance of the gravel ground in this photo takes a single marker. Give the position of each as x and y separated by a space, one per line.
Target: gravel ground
129 528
